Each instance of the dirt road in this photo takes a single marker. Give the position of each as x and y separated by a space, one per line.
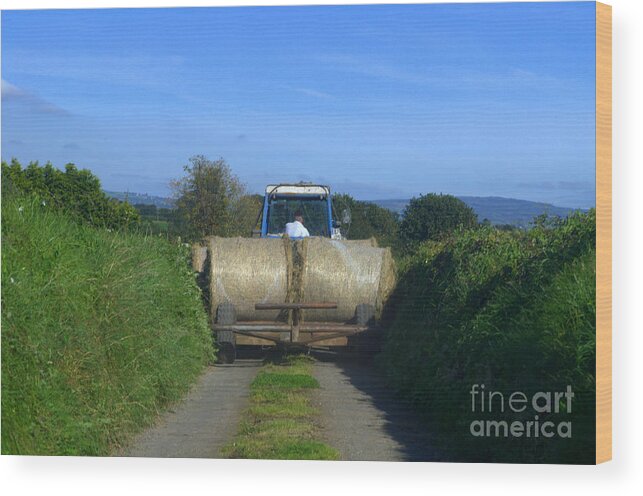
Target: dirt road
359 414
205 420
363 419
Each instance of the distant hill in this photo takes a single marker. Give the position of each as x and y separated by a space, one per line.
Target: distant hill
142 199
496 209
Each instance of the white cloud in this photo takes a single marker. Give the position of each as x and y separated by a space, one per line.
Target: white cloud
33 102
314 93
10 91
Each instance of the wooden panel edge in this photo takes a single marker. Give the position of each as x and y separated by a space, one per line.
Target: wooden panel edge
603 232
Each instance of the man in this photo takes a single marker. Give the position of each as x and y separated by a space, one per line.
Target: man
296 229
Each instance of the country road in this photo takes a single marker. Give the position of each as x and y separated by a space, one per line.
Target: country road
360 417
201 424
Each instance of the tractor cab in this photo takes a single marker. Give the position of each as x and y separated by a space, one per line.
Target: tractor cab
281 201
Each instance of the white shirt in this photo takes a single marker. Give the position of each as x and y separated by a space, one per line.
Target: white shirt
296 230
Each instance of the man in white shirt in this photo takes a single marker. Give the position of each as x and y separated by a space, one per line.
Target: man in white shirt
296 229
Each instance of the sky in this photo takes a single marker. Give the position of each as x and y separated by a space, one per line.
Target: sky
379 101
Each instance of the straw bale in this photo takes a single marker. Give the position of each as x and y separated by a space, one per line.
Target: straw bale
245 271
199 255
346 272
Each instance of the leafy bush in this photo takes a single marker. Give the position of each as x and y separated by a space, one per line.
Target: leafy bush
74 191
99 331
431 217
512 310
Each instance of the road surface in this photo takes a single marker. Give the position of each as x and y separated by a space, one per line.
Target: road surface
363 419
359 415
206 420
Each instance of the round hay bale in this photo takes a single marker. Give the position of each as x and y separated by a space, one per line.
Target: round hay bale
372 241
199 255
245 271
348 273
388 279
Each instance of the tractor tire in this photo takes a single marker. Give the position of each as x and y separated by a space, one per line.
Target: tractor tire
226 315
364 314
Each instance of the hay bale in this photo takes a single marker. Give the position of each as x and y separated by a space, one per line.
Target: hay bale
388 279
372 241
245 271
199 255
346 272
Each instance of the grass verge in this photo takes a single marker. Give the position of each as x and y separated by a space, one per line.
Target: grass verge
100 331
280 423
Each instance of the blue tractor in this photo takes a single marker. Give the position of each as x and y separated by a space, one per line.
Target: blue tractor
314 201
281 290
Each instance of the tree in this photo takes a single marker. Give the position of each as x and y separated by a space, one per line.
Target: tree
368 220
432 216
209 198
245 213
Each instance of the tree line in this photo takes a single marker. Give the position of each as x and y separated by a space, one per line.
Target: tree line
211 200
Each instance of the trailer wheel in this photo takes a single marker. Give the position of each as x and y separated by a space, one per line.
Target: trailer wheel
364 314
226 315
227 352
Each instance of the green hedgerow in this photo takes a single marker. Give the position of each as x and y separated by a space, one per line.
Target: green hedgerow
99 331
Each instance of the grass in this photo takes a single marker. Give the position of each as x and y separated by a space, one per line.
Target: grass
100 330
280 423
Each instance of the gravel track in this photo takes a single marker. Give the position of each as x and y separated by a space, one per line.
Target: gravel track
207 419
359 415
363 419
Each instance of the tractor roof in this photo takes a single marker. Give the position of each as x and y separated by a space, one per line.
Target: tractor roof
298 189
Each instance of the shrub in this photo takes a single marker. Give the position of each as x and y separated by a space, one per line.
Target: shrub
431 217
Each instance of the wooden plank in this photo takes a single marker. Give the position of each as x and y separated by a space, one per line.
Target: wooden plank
295 306
603 232
243 339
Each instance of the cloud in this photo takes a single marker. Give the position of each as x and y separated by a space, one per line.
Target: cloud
436 75
11 92
129 70
375 69
314 93
35 103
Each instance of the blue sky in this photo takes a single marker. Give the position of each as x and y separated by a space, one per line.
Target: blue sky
377 101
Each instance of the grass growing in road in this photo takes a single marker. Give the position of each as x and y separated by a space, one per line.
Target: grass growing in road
280 422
